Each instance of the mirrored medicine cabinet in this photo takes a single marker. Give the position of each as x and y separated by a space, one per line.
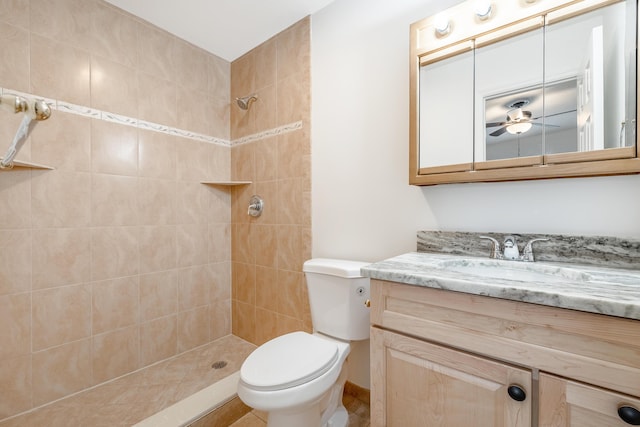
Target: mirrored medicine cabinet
506 90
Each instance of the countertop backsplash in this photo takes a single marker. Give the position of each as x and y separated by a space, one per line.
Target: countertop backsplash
602 251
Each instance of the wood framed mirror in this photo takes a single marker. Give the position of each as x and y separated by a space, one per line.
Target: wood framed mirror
505 90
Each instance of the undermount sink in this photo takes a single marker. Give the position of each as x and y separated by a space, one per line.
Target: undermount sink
513 270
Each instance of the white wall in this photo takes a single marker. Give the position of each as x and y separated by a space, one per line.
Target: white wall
363 207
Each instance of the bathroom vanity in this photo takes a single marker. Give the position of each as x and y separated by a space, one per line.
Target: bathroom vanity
460 340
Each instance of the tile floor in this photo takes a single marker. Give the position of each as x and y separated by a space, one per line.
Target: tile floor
132 398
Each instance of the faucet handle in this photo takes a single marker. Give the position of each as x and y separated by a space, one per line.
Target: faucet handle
495 253
527 252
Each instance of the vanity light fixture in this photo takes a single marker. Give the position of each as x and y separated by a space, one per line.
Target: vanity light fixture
483 9
518 128
442 25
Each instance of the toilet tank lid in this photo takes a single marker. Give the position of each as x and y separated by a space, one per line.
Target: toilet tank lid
334 267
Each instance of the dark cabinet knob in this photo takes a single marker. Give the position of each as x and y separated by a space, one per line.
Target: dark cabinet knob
629 415
517 393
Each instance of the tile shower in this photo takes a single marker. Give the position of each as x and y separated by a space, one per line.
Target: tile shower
119 257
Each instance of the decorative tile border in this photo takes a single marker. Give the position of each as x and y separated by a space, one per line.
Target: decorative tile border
155 127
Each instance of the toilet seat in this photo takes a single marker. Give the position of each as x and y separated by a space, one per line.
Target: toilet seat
288 361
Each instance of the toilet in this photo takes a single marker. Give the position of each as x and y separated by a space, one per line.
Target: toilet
298 378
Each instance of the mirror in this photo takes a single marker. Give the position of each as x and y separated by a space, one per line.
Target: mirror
553 95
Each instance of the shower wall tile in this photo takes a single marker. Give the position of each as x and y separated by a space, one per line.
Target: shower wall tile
114 87
114 34
158 340
14 56
114 252
114 200
15 315
16 12
61 371
63 143
193 328
59 71
60 315
60 199
156 155
15 386
115 304
15 262
158 295
15 198
158 248
119 256
61 256
269 291
115 353
114 148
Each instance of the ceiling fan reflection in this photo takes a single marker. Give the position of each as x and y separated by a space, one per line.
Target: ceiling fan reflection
518 121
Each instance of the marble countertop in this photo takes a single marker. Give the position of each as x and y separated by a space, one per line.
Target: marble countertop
609 291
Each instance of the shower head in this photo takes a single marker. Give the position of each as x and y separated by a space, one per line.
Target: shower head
245 102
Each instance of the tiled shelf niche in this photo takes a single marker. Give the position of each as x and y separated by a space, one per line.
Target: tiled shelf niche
226 183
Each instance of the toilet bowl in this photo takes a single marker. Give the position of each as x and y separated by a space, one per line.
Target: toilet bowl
298 378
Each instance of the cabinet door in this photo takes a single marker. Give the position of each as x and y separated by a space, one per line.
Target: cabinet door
416 383
567 403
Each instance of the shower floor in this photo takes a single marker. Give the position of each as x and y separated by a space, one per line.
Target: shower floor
134 397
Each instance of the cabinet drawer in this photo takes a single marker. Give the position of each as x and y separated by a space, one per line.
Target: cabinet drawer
597 349
567 403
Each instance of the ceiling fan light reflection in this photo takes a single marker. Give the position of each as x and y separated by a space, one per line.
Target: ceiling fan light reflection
518 128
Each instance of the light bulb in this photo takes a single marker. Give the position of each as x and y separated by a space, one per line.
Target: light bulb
482 9
442 25
518 128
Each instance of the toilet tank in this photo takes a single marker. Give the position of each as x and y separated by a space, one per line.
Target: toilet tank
337 296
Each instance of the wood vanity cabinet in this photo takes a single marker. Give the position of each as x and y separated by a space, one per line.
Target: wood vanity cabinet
450 359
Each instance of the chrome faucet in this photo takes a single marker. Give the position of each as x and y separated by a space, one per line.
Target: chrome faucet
511 251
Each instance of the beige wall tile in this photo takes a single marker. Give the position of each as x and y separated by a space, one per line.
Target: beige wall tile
293 148
219 74
15 262
61 370
268 190
264 109
158 295
14 57
292 293
191 65
266 325
219 205
157 100
192 160
59 71
194 284
63 142
243 320
114 148
192 203
265 240
15 12
155 52
192 245
115 353
67 21
158 340
157 201
242 249
266 156
61 256
114 200
60 315
15 386
114 87
157 248
193 328
114 252
220 162
61 199
267 288
219 242
220 315
114 34
294 49
266 63
115 304
194 108
157 155
294 100
290 207
244 282
15 325
221 281
15 199
243 75
290 255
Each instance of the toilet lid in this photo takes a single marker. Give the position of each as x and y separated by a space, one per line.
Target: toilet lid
288 361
